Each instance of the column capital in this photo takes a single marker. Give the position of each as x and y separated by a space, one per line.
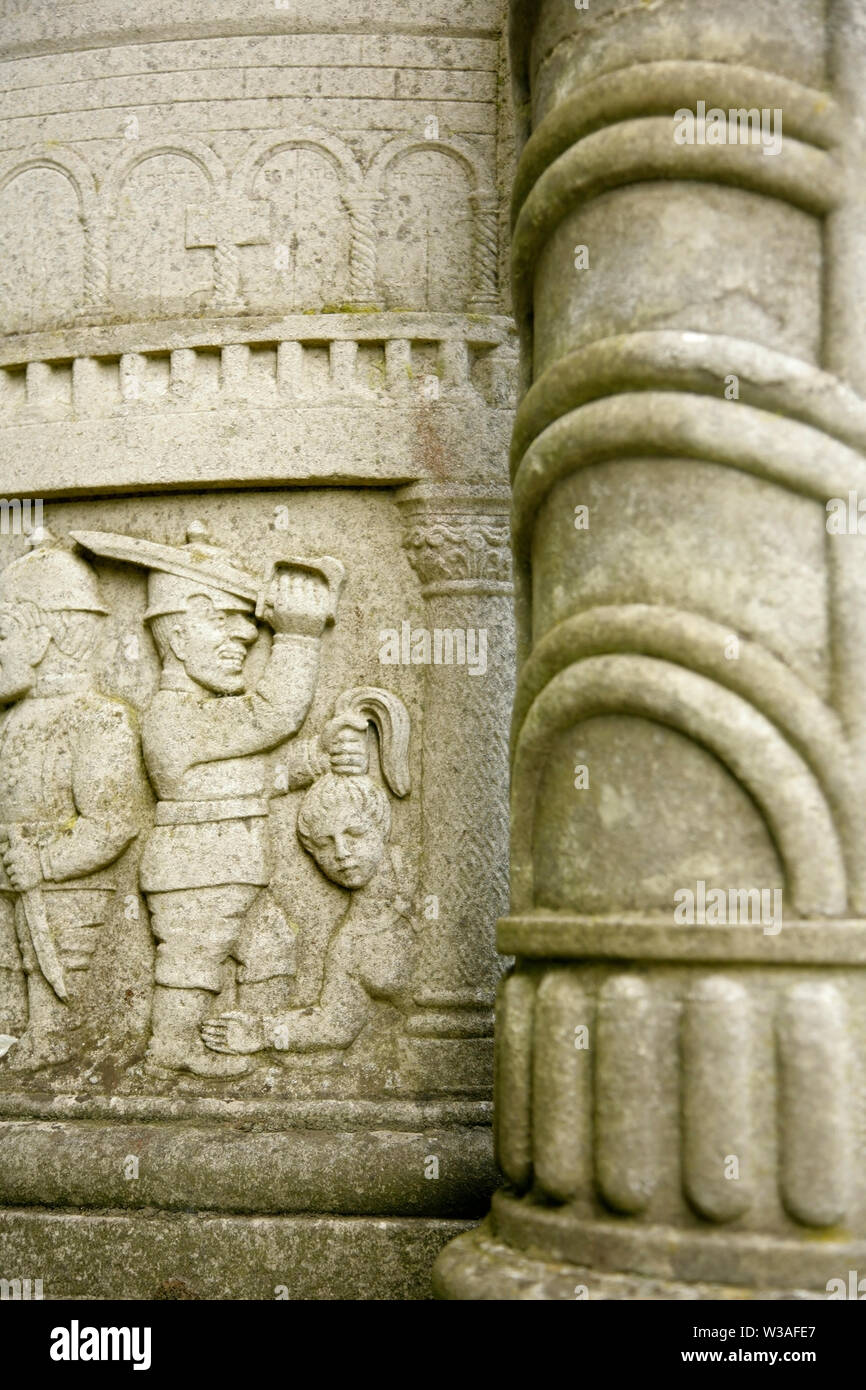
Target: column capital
458 543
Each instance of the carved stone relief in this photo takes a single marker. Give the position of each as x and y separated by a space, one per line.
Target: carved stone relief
256 383
189 778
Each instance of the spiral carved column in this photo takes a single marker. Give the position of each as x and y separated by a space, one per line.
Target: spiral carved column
681 1042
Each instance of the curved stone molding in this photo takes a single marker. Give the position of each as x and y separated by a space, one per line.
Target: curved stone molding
33 27
697 644
657 89
453 148
746 1260
645 149
139 152
698 364
658 424
752 748
306 137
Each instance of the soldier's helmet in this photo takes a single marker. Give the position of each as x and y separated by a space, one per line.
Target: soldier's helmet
51 577
170 592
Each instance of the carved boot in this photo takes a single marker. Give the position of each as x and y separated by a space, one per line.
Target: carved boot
176 1043
52 1033
13 1005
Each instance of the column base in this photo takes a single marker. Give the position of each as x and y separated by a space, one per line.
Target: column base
476 1267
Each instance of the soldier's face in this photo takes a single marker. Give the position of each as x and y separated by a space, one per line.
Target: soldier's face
21 649
349 849
213 645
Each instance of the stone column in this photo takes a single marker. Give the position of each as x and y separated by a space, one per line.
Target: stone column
485 289
362 210
458 545
681 1044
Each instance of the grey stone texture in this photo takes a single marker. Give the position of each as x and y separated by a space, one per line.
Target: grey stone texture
257 380
679 1096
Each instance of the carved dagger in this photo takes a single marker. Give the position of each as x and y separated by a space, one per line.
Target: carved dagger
33 903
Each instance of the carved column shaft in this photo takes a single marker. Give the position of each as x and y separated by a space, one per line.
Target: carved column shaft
95 267
485 290
362 262
680 1052
459 548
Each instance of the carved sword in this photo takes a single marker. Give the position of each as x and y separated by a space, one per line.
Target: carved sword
33 902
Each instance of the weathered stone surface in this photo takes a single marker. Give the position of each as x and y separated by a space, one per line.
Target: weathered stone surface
182 1256
257 377
681 1044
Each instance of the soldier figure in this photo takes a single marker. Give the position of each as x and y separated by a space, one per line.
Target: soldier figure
204 736
72 790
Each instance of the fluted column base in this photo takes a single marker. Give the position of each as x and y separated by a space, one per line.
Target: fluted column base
481 1266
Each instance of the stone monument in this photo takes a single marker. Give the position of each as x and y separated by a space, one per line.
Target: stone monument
681 1044
257 377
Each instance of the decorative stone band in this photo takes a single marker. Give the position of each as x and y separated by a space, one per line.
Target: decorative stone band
709 1264
543 935
608 135
480 1266
80 1164
696 363
658 89
234 214
209 334
103 378
647 1130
